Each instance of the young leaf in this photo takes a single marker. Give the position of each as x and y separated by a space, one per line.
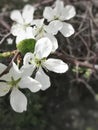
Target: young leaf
26 45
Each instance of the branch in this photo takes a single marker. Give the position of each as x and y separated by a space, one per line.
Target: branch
74 61
4 38
4 24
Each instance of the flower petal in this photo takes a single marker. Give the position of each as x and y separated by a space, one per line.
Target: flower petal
17 30
5 77
54 27
27 70
4 89
55 65
16 16
30 83
27 14
28 64
29 57
26 34
68 12
67 30
2 67
14 71
38 22
43 79
53 40
48 13
38 29
18 100
59 6
43 47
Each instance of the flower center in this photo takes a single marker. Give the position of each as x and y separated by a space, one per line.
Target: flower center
24 26
39 62
56 17
13 82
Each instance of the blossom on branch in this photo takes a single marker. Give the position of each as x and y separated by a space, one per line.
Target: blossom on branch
13 81
57 16
39 60
36 39
40 30
23 21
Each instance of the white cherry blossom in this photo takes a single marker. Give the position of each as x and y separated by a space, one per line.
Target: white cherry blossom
23 21
14 81
41 30
39 60
57 15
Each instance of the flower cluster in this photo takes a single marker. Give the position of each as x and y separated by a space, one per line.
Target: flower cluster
43 32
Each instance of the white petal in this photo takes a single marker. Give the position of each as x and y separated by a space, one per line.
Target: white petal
56 65
54 27
43 79
17 30
29 57
5 76
27 70
54 41
2 67
28 65
16 16
27 14
18 100
4 88
68 12
30 83
38 22
27 34
59 6
14 71
43 48
19 38
48 13
67 30
38 29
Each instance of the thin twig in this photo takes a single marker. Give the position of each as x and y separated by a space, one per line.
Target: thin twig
4 24
4 38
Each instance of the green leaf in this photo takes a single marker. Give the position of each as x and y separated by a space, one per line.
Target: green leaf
26 45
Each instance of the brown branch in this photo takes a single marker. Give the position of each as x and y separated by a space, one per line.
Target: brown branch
74 61
86 85
4 24
4 38
41 3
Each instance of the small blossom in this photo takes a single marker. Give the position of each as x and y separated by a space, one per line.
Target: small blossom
9 41
13 81
57 15
22 28
39 60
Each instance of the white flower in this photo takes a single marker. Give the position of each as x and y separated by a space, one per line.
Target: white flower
13 81
22 28
39 60
9 41
57 15
41 30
